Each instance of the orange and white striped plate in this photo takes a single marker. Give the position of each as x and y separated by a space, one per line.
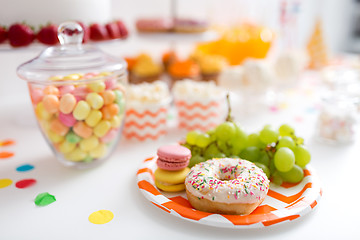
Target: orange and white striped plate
282 204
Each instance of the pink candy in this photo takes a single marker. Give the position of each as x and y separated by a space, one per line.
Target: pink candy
80 93
36 95
67 119
109 136
110 83
66 89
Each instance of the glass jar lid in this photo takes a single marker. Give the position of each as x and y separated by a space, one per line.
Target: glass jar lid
70 57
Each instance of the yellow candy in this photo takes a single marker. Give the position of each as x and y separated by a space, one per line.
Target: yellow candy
41 113
93 118
89 143
66 147
102 128
76 155
55 78
73 77
99 151
81 110
98 86
115 121
95 100
104 74
55 138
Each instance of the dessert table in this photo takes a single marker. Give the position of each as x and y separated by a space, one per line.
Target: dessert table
112 185
28 168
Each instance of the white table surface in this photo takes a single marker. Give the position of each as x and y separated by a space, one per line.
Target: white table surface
112 185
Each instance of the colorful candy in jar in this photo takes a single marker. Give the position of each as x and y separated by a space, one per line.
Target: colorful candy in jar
81 121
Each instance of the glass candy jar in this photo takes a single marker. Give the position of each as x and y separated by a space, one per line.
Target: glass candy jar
78 96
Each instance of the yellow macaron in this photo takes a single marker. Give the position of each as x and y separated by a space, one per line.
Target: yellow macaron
171 181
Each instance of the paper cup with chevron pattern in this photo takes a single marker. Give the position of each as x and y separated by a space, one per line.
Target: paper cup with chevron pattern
201 108
146 121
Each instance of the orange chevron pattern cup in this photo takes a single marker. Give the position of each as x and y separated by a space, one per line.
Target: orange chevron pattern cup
146 121
203 115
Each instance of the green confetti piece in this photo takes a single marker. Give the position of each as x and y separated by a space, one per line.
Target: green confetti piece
44 199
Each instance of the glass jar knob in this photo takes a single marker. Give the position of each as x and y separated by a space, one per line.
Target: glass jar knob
70 33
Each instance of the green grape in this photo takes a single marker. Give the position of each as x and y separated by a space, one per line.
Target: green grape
272 167
250 153
295 175
195 151
186 145
299 140
286 130
268 135
284 159
302 155
211 151
220 155
212 134
264 168
276 178
191 137
195 160
233 156
225 131
264 158
223 147
286 141
239 141
253 140
203 140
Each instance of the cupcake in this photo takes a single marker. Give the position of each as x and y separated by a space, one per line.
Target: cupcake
187 69
169 57
200 105
146 112
211 66
145 70
131 61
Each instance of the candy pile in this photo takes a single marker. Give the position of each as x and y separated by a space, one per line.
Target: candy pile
80 115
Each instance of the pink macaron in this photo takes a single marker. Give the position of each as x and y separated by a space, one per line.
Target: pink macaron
173 157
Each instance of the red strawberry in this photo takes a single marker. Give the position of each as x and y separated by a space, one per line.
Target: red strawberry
3 34
48 35
113 30
98 32
122 28
86 31
20 35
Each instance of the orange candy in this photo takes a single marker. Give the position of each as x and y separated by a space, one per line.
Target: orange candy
82 130
67 103
57 127
110 111
108 96
51 90
51 103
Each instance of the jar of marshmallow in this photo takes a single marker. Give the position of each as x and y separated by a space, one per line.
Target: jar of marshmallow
337 120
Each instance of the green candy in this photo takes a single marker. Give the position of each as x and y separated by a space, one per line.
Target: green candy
71 137
44 199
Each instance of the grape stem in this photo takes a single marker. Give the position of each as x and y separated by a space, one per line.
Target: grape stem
229 118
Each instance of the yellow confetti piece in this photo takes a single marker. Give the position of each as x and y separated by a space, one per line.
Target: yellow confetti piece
5 182
101 217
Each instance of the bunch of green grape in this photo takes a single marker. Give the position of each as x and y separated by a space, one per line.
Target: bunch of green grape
279 153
